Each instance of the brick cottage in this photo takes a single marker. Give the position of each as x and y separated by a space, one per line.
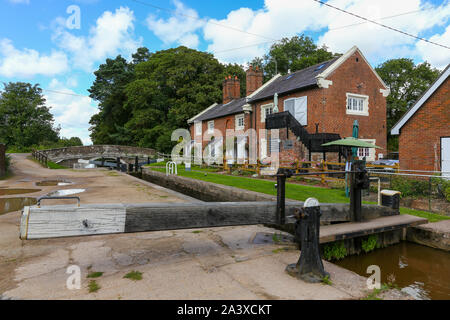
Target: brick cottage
424 142
320 101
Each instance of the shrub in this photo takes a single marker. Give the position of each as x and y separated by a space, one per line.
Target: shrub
336 250
410 187
370 243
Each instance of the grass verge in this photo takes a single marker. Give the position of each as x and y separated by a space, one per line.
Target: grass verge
293 191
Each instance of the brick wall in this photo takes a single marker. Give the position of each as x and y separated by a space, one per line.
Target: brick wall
2 160
420 137
327 107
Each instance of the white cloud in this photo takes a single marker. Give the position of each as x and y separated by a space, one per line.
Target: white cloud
71 111
377 43
286 18
28 63
112 35
438 57
179 28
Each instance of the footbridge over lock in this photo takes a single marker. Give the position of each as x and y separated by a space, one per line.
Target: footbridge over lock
70 155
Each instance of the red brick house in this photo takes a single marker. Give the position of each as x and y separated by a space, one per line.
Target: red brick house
424 142
318 101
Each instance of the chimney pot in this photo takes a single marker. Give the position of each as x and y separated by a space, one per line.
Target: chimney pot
254 79
231 89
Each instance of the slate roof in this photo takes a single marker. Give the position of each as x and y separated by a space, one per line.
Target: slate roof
294 81
221 110
288 83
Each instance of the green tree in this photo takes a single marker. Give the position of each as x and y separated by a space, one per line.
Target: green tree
72 142
25 120
407 83
109 89
292 54
169 88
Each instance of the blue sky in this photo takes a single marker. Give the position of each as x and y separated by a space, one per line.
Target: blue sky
37 46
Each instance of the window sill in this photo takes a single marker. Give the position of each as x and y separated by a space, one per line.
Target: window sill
356 113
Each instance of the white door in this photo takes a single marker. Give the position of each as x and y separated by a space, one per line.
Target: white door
301 110
445 156
298 107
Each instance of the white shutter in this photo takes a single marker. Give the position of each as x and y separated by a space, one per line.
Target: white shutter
301 110
289 105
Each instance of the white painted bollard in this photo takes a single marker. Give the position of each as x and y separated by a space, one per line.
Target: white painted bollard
171 168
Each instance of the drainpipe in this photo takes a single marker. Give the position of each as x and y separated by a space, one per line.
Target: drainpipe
275 103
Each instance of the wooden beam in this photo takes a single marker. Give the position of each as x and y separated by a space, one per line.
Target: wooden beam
67 221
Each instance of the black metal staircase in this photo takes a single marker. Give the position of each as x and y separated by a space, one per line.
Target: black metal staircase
313 142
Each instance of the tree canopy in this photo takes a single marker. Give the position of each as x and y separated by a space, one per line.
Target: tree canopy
407 82
141 102
292 54
25 120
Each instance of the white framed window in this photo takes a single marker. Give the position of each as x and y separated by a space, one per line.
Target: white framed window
211 126
265 111
240 122
369 153
198 128
298 107
357 104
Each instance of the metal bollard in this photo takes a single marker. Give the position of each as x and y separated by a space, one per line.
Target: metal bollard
309 266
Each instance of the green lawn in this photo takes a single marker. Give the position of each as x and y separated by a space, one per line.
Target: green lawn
293 191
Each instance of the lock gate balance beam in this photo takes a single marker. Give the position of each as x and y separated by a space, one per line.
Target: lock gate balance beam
94 219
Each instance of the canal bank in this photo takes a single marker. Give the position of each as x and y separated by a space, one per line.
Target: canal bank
212 263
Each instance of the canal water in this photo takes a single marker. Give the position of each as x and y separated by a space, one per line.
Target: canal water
421 271
15 204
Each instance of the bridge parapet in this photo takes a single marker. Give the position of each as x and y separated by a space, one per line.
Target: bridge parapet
90 152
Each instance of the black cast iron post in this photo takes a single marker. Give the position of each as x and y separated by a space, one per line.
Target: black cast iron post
359 179
136 164
309 267
282 174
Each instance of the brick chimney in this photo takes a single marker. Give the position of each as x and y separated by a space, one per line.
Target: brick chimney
231 89
254 79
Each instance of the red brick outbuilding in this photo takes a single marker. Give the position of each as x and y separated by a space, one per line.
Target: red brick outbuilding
424 142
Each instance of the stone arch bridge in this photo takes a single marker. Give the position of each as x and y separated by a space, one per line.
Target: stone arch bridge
70 155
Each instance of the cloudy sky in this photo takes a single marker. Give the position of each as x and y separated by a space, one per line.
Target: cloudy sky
43 41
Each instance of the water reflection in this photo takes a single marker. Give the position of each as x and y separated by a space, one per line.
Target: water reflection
8 192
64 193
15 204
420 271
49 183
